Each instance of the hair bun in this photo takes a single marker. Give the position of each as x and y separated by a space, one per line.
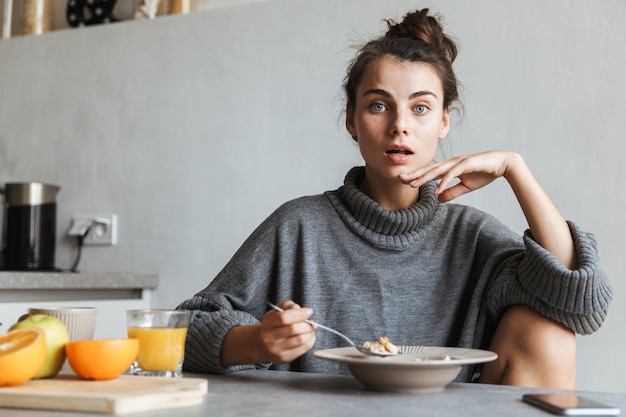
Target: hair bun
421 26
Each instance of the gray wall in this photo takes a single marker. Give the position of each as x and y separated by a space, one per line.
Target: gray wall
192 129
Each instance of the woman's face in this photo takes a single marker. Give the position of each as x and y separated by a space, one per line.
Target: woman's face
398 117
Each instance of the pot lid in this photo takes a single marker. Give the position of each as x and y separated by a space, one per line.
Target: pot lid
30 193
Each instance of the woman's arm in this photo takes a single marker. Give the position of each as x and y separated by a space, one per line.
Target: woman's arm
546 223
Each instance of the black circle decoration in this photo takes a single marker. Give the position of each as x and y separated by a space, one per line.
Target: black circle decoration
90 12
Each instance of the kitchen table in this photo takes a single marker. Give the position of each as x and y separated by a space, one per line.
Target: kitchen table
293 394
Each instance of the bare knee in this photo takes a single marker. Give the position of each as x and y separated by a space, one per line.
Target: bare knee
532 351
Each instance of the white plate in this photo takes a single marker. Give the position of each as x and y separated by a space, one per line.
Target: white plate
419 369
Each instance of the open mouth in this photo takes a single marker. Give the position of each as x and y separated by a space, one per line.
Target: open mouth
399 152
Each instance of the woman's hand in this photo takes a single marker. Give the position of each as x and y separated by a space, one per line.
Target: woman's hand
285 335
473 171
281 337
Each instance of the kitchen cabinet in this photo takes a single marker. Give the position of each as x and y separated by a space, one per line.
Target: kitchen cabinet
111 293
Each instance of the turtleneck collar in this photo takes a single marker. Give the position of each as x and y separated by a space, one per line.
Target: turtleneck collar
396 229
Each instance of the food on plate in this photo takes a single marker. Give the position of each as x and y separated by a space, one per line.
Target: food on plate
57 337
22 354
430 358
101 359
382 345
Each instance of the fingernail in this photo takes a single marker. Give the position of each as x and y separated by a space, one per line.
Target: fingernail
309 312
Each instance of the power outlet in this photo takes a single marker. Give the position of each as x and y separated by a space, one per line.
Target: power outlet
101 229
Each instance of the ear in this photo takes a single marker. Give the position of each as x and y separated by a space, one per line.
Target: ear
445 123
350 124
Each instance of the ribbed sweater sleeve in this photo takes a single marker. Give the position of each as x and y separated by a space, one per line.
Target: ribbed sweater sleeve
578 299
207 330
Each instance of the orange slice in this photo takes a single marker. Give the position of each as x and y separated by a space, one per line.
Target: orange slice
101 359
22 354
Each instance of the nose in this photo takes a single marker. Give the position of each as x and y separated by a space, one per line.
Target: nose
400 125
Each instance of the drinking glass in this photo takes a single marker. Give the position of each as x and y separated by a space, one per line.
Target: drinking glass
161 335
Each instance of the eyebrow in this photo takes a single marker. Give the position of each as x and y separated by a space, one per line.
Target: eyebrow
386 93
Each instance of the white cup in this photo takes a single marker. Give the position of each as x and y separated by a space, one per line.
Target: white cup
80 323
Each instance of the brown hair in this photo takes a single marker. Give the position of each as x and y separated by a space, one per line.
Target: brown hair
418 38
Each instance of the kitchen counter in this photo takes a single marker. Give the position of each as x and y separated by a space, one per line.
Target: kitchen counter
28 286
112 293
26 280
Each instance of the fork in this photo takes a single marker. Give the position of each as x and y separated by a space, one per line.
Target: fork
329 329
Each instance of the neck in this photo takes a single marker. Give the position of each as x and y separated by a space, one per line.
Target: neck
389 194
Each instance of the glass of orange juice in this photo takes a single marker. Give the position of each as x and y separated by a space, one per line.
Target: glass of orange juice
161 335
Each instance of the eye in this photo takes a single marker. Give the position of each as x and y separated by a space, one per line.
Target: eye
421 109
378 107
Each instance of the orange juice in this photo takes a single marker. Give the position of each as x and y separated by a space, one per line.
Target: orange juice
160 348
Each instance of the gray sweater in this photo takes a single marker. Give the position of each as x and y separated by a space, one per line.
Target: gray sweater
432 274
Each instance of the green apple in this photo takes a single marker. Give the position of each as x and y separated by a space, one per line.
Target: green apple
57 337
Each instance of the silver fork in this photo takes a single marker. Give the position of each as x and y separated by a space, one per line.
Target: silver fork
346 338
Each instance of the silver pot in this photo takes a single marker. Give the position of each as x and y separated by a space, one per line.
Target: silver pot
29 226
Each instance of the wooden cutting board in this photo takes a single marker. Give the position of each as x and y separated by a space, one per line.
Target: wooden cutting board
122 395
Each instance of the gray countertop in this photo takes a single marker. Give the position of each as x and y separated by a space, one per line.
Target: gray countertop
289 394
17 280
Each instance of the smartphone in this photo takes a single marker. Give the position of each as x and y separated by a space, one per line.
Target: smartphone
567 404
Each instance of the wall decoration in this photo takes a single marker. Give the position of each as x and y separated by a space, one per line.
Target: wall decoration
90 12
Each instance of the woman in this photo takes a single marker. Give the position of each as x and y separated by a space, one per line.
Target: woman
386 254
